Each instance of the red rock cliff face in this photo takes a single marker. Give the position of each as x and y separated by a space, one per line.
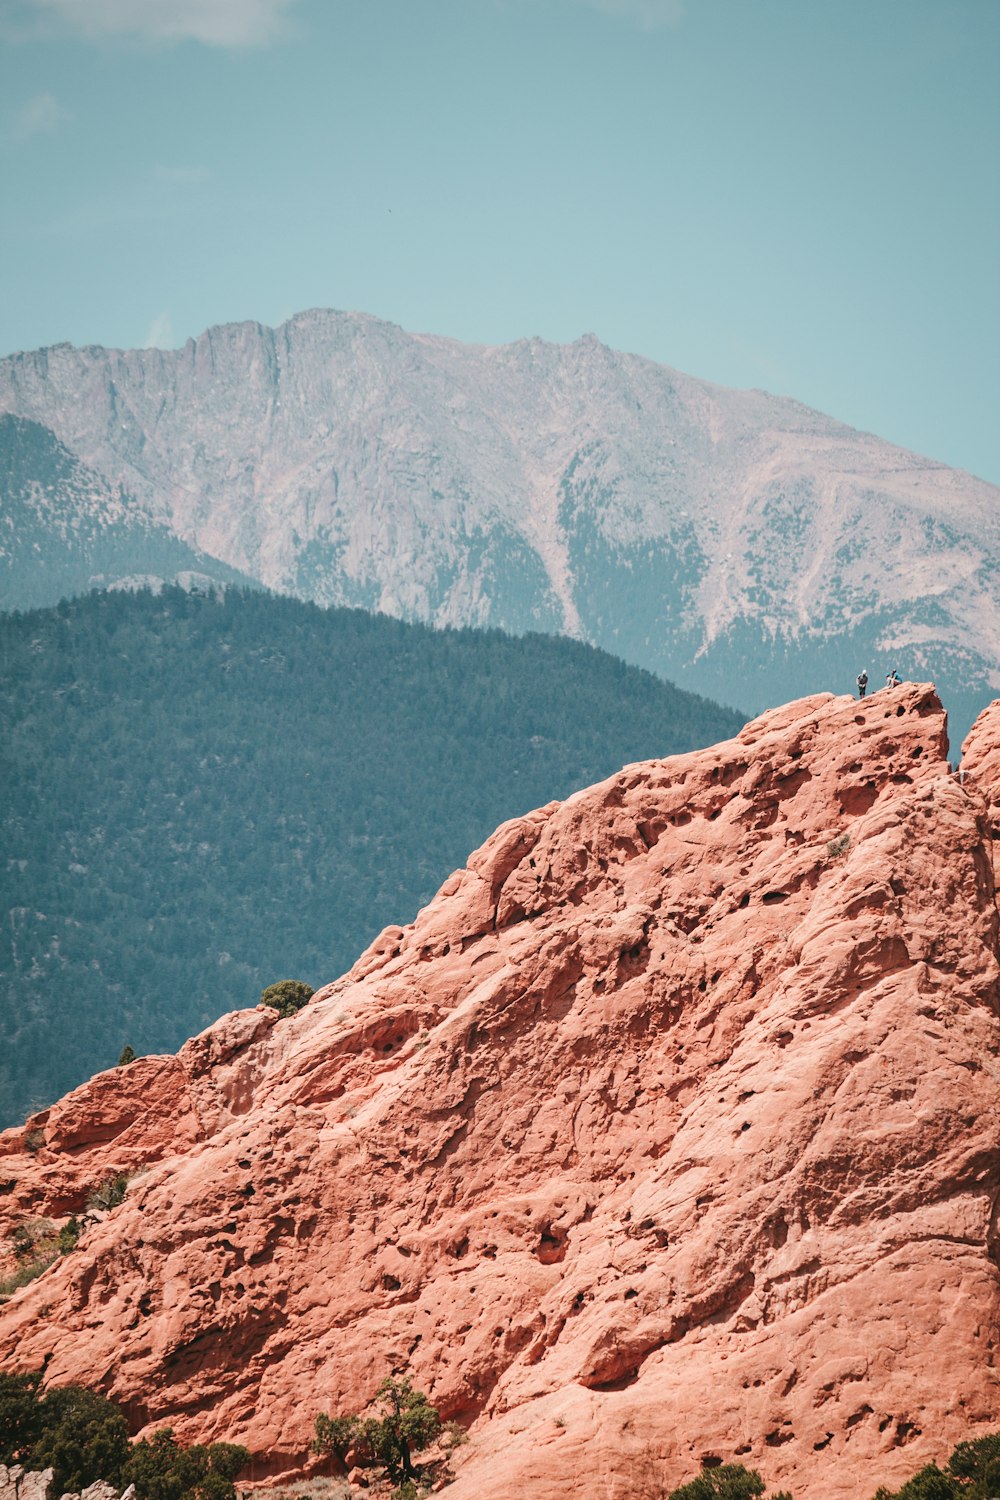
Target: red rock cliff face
668 1130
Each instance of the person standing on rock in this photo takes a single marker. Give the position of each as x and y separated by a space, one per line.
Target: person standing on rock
862 682
893 679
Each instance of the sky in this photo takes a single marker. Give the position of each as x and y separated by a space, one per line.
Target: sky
797 195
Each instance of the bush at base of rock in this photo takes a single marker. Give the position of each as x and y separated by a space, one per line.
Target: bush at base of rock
408 1425
161 1469
727 1482
83 1438
973 1473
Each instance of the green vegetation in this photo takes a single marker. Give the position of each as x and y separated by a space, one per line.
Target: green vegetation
36 1245
287 996
127 1056
109 1193
201 793
408 1424
34 1139
973 1473
161 1469
726 1482
84 1437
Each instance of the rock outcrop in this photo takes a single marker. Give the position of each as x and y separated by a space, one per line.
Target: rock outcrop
667 1131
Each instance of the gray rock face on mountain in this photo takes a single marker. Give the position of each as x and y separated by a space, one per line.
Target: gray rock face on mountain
65 528
732 540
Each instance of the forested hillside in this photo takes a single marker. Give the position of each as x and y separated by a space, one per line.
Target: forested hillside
206 794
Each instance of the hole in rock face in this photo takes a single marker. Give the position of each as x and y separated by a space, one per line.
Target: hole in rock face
855 800
146 1304
900 711
551 1246
244 1163
744 1126
777 1437
744 901
774 898
743 1448
711 1461
858 1416
630 1294
859 718
823 1442
714 814
390 1283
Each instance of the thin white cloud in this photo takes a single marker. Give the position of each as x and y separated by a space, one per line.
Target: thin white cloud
216 23
649 14
42 114
160 334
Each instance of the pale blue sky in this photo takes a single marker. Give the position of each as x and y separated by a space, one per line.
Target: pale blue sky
801 195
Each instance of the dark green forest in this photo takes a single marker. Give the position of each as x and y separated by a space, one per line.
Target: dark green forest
205 794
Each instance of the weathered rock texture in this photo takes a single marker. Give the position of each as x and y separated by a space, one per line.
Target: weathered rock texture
17 1483
668 1130
733 541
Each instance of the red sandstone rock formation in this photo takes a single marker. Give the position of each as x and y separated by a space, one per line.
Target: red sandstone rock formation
668 1130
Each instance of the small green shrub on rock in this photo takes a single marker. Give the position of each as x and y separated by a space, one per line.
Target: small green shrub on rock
409 1423
128 1056
726 1482
287 996
109 1193
35 1244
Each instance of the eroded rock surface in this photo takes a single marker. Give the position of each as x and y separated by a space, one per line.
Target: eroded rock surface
669 1129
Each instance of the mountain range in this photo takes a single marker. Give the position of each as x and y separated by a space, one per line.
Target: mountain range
733 541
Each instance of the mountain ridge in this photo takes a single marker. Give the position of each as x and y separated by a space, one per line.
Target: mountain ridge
726 540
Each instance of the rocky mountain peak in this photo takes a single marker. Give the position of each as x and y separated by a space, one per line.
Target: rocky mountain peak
735 542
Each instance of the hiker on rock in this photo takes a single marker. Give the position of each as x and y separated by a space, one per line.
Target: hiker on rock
862 682
893 679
